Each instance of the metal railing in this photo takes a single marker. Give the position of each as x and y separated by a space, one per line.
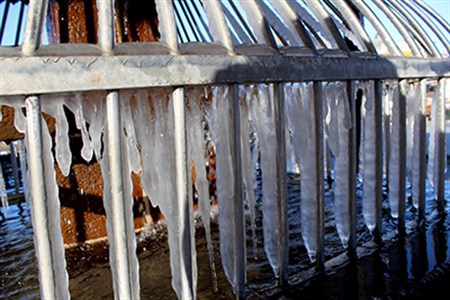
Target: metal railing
285 44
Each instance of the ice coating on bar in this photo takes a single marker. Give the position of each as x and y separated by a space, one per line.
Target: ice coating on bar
337 98
369 152
197 150
3 194
217 115
24 168
436 129
247 163
154 114
301 122
414 115
394 169
263 118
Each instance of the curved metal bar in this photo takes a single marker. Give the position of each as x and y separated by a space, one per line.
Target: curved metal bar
354 24
411 43
379 27
435 15
218 25
433 27
37 11
5 16
167 28
244 36
327 22
19 24
190 20
285 34
290 17
258 22
417 27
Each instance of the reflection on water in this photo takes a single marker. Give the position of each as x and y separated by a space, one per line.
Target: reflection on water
410 267
18 266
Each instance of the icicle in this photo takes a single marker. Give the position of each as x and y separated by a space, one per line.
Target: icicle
197 145
247 166
94 112
263 119
387 107
433 151
156 140
415 115
337 93
53 105
24 169
369 187
301 123
411 109
128 124
394 175
75 104
3 194
219 125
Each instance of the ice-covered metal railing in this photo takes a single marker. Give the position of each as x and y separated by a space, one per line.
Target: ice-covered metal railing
252 42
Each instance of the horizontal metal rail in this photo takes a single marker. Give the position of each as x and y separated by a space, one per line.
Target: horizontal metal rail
55 74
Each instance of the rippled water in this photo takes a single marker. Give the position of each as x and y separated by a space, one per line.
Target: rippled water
400 268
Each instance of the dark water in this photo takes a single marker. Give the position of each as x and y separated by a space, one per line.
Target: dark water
416 266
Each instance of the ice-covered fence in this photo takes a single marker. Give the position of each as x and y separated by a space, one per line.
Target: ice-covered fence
255 66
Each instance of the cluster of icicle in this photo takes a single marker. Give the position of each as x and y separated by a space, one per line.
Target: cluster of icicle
148 149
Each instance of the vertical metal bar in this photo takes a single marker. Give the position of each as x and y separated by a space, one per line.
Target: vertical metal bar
283 241
5 16
14 167
422 148
378 111
441 144
239 218
399 144
43 243
117 196
106 32
319 145
37 11
185 240
352 170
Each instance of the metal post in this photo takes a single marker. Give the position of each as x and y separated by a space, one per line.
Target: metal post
398 148
34 25
106 32
352 170
117 216
378 115
283 226
184 205
42 239
239 218
422 148
441 144
317 106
